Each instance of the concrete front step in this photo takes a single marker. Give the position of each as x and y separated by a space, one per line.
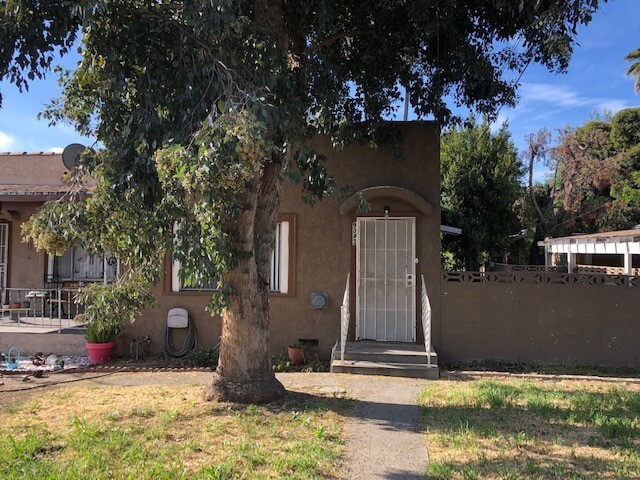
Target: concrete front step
419 358
414 370
385 352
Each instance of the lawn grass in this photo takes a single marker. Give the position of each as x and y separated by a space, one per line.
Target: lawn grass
531 429
499 366
167 433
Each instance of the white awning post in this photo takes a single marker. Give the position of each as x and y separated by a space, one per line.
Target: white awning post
628 263
571 262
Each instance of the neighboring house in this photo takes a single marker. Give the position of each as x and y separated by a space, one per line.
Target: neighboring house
613 253
384 252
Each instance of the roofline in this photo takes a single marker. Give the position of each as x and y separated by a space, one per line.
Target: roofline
619 236
32 154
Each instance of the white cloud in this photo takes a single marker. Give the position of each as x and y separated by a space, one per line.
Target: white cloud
56 149
613 105
6 142
497 125
564 97
557 94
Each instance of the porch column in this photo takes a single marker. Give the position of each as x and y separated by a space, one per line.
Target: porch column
628 263
571 261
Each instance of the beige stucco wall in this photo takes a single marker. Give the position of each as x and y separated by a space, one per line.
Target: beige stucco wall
27 267
324 254
552 324
323 251
31 169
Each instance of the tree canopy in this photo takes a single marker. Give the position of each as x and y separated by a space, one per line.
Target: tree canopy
634 68
595 181
481 185
202 107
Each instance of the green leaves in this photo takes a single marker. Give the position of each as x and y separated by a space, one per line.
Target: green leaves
192 101
480 186
109 307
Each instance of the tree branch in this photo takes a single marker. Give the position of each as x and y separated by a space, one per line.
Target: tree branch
338 36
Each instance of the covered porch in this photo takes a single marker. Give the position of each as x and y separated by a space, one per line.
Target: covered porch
610 253
39 310
398 359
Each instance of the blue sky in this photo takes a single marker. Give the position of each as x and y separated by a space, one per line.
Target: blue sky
595 81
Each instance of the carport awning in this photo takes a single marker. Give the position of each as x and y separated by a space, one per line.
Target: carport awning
619 242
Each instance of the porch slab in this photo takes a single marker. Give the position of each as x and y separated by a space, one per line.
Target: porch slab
71 343
37 322
26 330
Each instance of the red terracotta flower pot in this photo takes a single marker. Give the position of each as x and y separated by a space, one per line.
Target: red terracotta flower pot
296 355
100 352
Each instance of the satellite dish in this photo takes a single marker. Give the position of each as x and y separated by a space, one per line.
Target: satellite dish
71 155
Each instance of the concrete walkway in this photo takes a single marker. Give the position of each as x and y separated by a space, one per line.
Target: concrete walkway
384 439
383 435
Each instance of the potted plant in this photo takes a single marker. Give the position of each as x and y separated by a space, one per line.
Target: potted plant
99 333
107 307
296 354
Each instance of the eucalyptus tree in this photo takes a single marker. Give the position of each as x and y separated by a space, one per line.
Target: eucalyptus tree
202 108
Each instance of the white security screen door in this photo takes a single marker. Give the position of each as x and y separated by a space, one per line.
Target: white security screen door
4 257
385 279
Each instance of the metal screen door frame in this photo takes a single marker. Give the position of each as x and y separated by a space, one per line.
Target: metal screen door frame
398 311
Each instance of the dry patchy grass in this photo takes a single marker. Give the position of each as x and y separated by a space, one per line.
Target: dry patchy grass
167 432
515 429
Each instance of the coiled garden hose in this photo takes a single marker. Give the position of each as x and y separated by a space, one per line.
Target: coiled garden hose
190 342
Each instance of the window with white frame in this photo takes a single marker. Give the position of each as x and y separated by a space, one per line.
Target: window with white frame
78 265
279 279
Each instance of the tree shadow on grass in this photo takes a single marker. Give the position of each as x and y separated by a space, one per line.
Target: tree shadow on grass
389 416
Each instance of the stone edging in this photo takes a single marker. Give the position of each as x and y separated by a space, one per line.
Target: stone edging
538 376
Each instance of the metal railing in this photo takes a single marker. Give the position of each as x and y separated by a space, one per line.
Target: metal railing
40 308
426 320
344 319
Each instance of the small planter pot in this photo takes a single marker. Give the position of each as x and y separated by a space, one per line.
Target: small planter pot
15 305
100 352
296 355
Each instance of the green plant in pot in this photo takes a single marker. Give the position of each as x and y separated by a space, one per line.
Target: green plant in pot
296 353
107 308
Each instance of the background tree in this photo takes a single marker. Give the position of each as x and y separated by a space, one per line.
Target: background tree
202 106
634 69
595 181
480 186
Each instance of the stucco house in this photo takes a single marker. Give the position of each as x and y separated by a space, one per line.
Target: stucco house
337 275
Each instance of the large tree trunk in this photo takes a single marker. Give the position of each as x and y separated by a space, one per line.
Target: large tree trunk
244 371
